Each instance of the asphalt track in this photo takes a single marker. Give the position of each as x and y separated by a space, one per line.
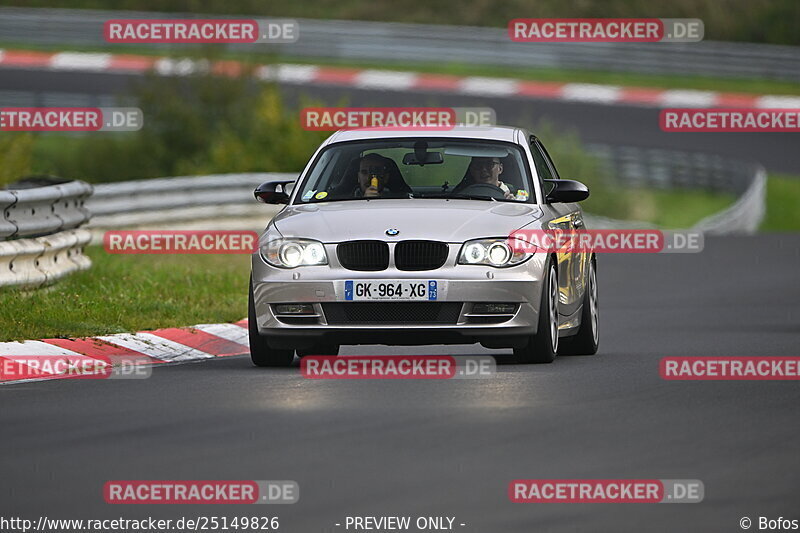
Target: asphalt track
606 124
450 448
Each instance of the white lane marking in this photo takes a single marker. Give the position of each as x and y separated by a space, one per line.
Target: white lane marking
480 85
591 92
777 101
294 73
166 66
80 61
229 332
688 98
264 72
156 347
385 79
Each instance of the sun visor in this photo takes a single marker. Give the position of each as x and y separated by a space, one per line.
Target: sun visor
477 151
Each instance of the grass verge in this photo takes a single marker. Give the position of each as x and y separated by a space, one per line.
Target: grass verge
126 293
676 209
783 199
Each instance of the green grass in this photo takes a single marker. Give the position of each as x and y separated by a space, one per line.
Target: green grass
627 79
677 209
783 200
50 148
125 293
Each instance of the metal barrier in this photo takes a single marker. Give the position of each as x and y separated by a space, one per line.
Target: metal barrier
38 240
672 169
7 228
381 41
43 260
43 210
180 199
745 215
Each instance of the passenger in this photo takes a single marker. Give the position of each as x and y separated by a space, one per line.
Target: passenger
485 170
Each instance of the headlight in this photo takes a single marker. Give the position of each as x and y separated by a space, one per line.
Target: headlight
492 252
292 253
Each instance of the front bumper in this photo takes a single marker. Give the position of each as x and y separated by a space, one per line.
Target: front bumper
462 285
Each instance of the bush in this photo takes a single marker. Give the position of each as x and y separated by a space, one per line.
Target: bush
16 155
198 125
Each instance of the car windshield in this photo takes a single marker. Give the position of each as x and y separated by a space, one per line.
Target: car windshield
419 168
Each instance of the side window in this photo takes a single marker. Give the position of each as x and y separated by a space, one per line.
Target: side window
548 159
541 165
542 170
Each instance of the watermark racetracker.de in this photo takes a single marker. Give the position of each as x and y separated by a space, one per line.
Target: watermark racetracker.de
730 120
180 242
397 367
714 368
189 31
201 492
623 241
36 367
71 119
606 491
605 30
395 118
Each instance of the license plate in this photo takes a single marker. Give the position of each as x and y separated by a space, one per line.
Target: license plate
390 290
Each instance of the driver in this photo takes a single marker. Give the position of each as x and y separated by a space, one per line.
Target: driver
486 170
372 167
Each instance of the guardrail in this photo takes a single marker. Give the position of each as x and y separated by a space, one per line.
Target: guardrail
745 215
43 210
635 166
381 41
39 242
658 168
177 200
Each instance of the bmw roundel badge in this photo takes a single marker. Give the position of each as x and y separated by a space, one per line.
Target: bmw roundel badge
391 232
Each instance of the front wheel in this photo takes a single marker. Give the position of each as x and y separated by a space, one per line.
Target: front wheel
260 351
543 346
586 341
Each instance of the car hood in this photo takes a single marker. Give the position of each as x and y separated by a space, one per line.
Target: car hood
430 219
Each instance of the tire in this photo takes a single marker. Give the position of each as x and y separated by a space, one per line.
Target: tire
586 341
543 347
260 352
319 349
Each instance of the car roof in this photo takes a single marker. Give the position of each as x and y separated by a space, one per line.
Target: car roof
494 133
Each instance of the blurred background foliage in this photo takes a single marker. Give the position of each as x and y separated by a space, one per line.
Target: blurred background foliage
193 125
204 124
766 21
16 156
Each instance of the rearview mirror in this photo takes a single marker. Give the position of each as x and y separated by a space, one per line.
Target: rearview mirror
274 192
566 191
431 158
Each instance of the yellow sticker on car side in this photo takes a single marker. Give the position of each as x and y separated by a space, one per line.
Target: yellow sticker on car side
320 195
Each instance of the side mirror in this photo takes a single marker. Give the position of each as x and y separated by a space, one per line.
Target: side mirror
567 191
274 192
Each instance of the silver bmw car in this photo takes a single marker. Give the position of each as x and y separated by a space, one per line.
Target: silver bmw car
402 238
